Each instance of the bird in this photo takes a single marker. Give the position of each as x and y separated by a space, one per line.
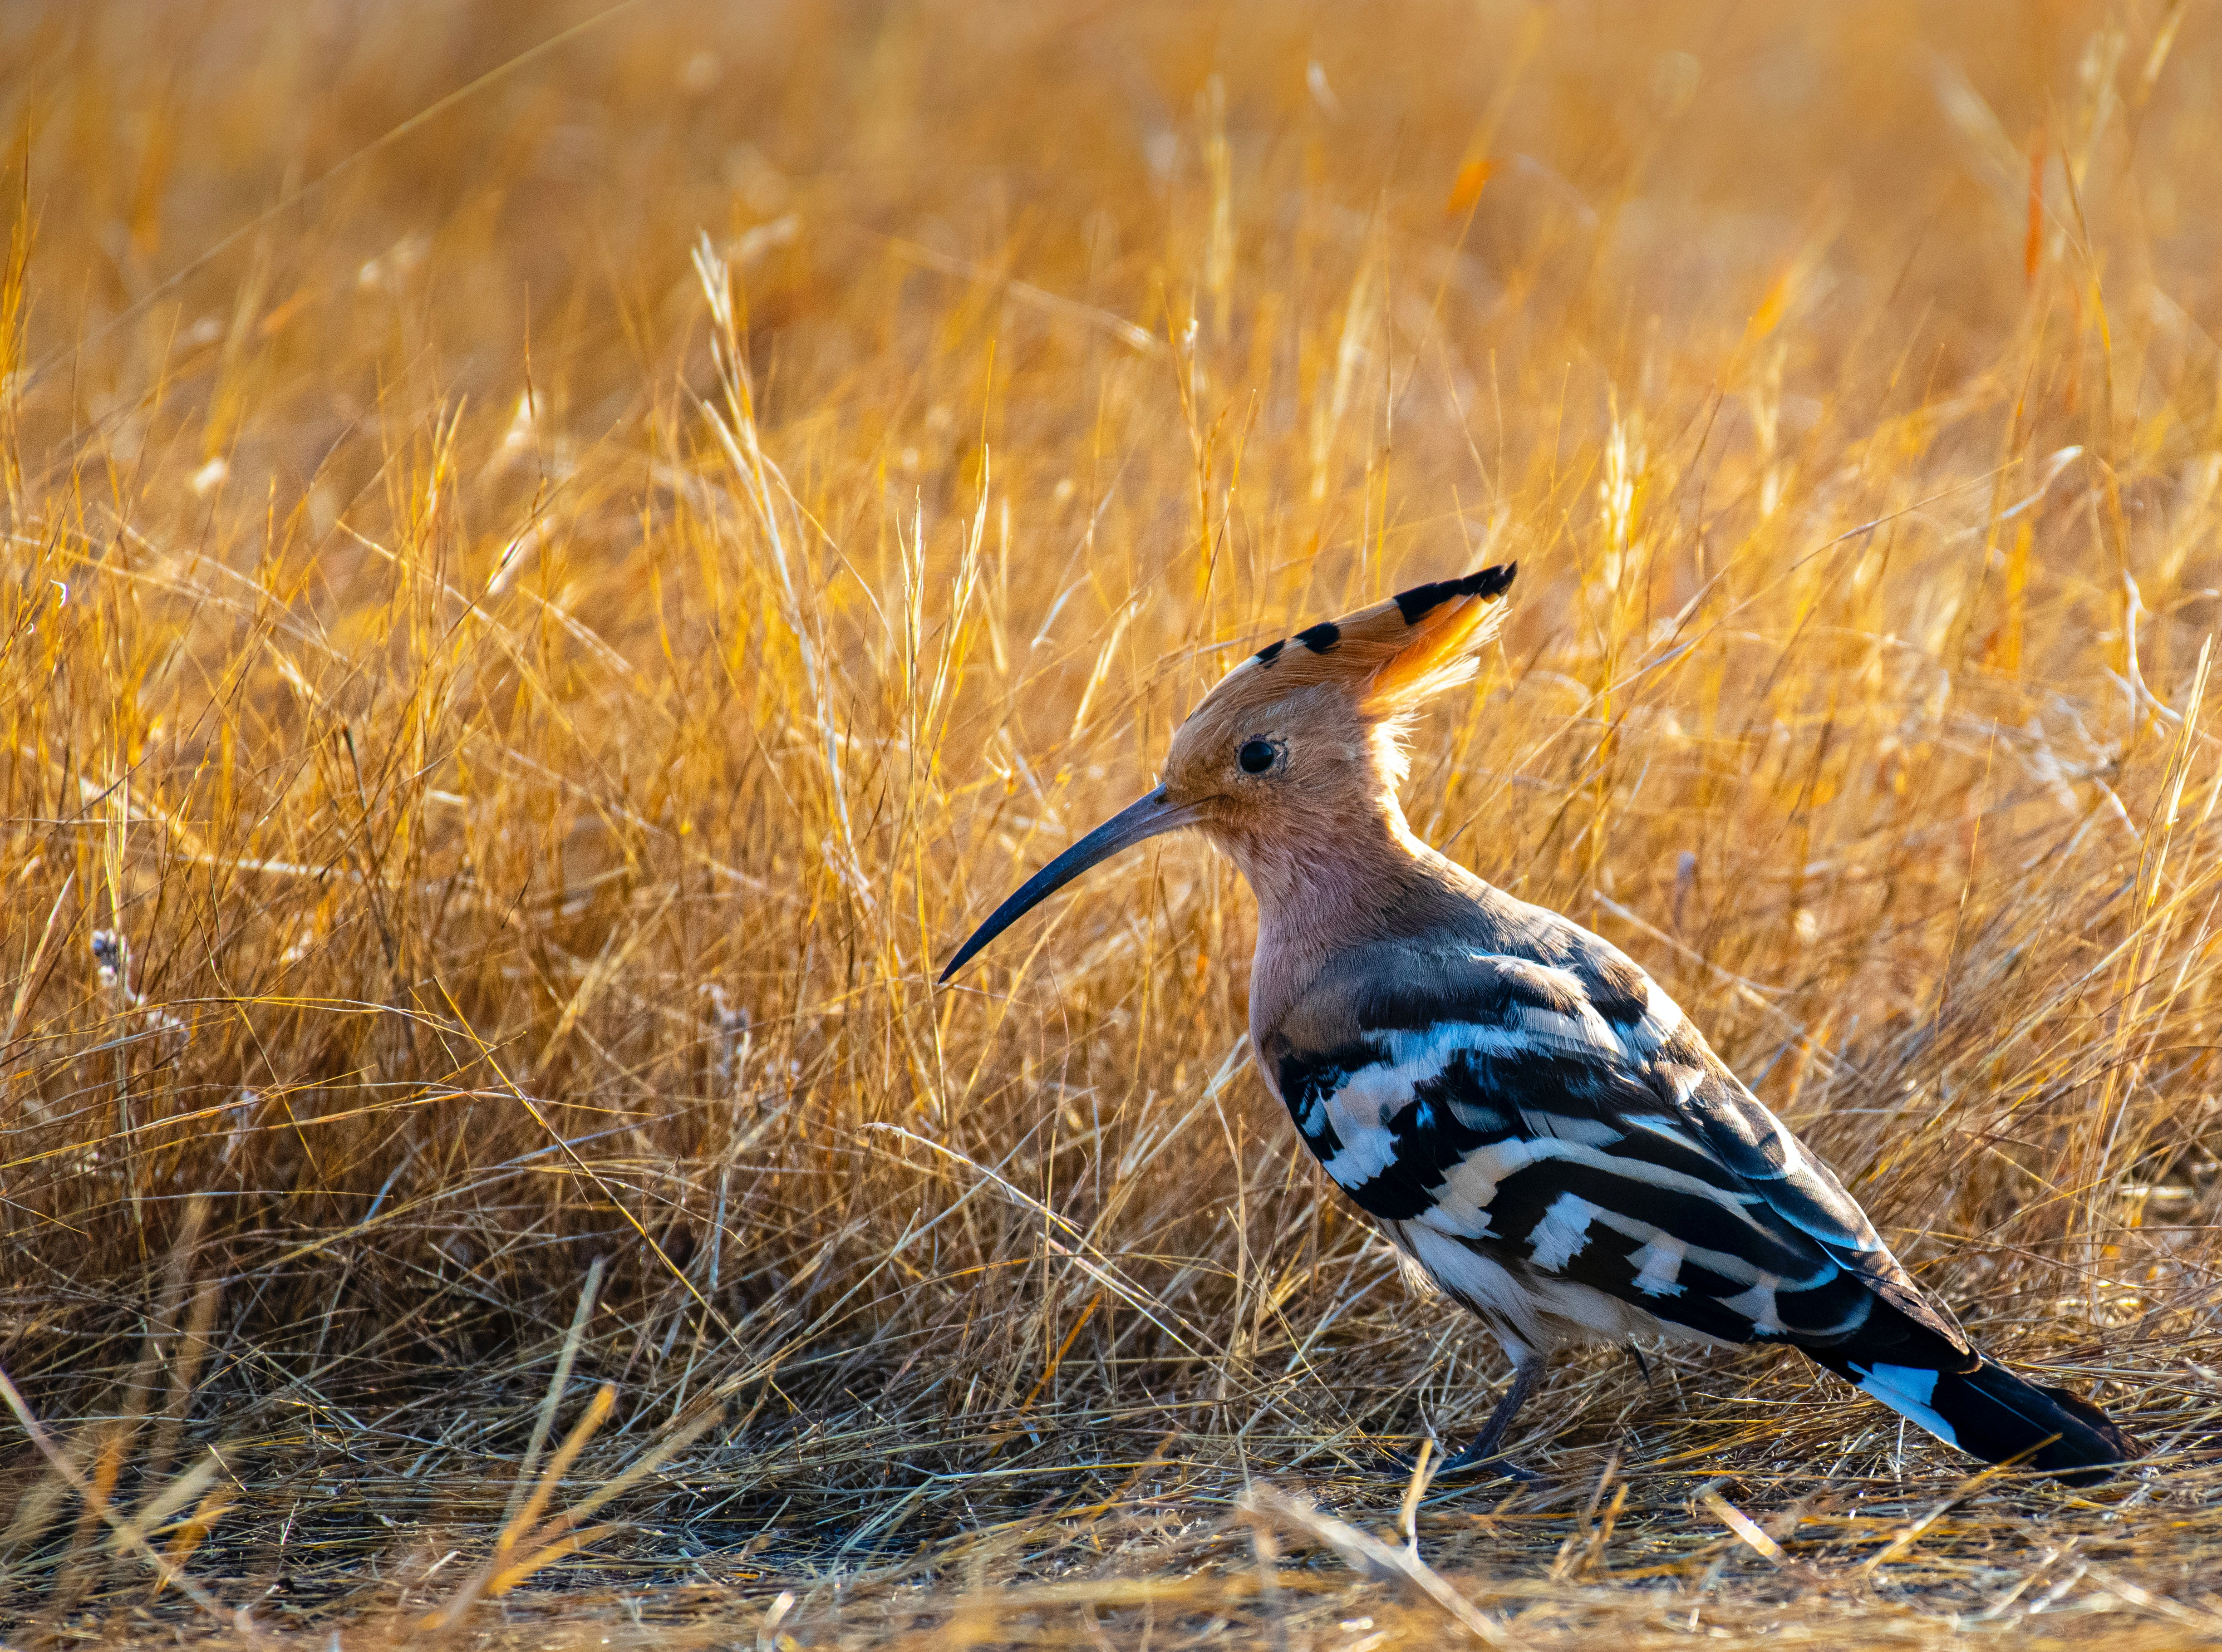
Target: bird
1521 1110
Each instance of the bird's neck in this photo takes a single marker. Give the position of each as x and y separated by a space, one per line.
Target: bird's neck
1326 884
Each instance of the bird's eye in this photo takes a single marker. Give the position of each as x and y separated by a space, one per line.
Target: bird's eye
1256 757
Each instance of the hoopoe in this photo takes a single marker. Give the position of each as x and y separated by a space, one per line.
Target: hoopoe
1523 1111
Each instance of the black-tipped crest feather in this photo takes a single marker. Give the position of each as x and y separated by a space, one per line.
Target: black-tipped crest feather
1422 600
1412 606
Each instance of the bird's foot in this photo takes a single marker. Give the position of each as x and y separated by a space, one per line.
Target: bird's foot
1476 1462
1477 1459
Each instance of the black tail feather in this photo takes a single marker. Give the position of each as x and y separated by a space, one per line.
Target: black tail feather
1986 1411
1998 1415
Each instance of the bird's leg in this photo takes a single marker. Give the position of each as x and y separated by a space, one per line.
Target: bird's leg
1525 1375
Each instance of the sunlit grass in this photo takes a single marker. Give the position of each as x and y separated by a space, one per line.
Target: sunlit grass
529 635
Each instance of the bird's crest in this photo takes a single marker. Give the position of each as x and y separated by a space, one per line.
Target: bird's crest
1391 656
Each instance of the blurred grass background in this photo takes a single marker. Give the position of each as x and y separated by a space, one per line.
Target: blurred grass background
557 559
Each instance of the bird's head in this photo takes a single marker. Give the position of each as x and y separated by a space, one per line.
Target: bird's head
1301 739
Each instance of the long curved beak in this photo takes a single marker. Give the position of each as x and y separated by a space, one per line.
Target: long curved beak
1148 817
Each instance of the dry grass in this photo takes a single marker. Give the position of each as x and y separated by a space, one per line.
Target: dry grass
531 626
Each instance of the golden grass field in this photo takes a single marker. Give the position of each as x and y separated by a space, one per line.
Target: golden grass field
558 559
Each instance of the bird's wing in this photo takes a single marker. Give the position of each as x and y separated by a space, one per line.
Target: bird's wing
1565 1120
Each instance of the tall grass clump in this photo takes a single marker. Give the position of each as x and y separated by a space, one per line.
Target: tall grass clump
557 558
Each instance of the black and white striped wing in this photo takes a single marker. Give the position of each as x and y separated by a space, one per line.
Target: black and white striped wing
1529 1127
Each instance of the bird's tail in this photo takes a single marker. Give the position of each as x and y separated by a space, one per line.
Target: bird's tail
1988 1411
